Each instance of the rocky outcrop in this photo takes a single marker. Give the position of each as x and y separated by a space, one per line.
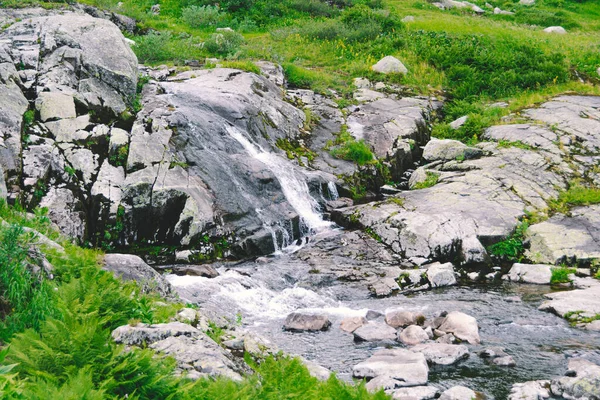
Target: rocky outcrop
576 304
582 381
129 267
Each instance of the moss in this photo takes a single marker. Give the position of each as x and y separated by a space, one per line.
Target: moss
430 180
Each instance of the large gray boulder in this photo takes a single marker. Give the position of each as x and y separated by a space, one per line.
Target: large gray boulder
132 268
412 335
448 150
141 334
582 381
299 322
461 325
388 65
539 274
404 366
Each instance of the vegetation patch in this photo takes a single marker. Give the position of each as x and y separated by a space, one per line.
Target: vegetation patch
561 275
511 249
430 180
347 148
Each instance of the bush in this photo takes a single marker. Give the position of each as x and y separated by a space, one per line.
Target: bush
225 43
511 249
154 47
561 275
202 16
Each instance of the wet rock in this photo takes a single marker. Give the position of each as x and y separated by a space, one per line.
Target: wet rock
130 267
374 332
388 65
570 238
492 352
351 324
413 335
582 381
442 354
458 393
506 361
384 287
206 271
530 273
400 318
316 370
146 334
416 392
299 322
461 325
409 368
448 149
586 301
441 274
447 339
532 390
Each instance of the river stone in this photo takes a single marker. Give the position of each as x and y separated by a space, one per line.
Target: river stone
461 325
388 65
400 318
416 392
563 238
555 29
530 273
582 381
412 335
506 361
383 382
586 301
403 365
130 267
458 393
141 334
299 322
441 274
448 149
316 370
374 332
459 122
492 352
442 354
206 271
55 105
351 324
532 390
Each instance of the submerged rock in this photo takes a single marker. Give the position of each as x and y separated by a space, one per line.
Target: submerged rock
299 322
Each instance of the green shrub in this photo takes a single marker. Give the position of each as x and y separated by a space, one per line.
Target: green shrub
225 43
431 180
154 47
352 150
511 249
203 16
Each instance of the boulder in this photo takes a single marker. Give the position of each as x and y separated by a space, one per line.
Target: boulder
388 65
400 318
532 390
448 149
206 271
316 370
506 361
405 366
527 2
585 301
351 324
461 325
132 268
142 334
458 393
374 332
442 354
416 392
66 211
413 335
582 381
556 29
539 274
440 274
457 123
299 322
55 105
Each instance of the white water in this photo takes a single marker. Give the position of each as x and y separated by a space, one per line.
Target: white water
293 183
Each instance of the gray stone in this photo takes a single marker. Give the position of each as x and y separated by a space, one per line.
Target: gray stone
441 274
131 267
413 335
55 105
374 332
458 393
351 324
527 2
499 11
299 322
506 361
66 211
206 271
586 301
539 274
409 368
388 65
142 334
448 149
273 72
400 318
316 370
461 325
384 287
459 122
416 392
442 354
582 381
532 390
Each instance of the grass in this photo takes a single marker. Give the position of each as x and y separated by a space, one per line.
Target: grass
346 147
577 195
430 180
561 275
511 249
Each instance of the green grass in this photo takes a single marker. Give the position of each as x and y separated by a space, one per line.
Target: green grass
511 249
561 275
431 180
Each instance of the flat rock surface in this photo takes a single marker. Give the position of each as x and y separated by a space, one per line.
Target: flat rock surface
374 332
442 354
530 273
403 365
586 301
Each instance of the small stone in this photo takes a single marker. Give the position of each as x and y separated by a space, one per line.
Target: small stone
459 122
352 323
388 65
506 361
527 2
413 335
299 322
441 353
362 83
374 332
555 29
416 392
539 274
458 393
373 314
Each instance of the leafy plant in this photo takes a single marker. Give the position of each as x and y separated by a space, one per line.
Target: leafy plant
511 249
202 16
561 274
224 43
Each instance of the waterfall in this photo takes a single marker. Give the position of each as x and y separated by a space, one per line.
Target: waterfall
333 193
292 182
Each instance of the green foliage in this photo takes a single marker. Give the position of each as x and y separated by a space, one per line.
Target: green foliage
119 158
203 16
28 119
215 332
576 195
430 180
511 249
295 150
561 274
517 144
224 43
154 47
348 148
26 297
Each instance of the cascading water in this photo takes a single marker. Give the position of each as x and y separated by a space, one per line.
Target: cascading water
293 184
